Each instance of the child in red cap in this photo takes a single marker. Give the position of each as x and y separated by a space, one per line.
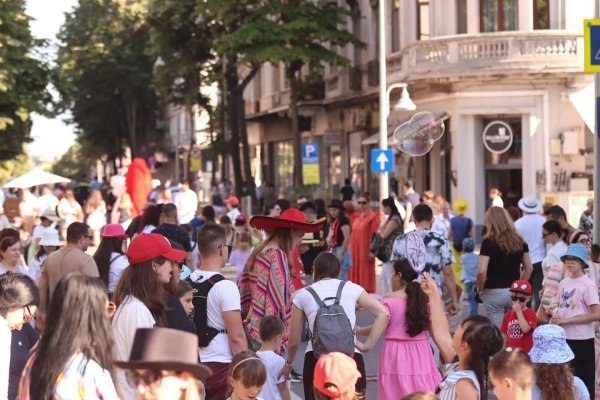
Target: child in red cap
518 324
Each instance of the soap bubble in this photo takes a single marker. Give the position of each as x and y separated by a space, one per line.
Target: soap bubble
412 142
425 124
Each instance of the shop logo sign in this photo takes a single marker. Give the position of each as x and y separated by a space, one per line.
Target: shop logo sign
497 137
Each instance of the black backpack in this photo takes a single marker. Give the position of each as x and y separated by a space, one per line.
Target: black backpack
200 300
332 330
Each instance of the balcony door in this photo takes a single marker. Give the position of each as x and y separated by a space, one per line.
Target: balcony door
498 15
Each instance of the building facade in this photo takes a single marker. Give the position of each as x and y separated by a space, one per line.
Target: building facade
511 68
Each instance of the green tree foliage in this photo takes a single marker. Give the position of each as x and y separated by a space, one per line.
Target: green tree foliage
105 77
72 163
297 33
14 167
23 79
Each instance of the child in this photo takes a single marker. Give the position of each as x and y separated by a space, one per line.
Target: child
185 294
247 375
271 334
518 324
335 377
511 374
468 276
241 253
406 364
576 308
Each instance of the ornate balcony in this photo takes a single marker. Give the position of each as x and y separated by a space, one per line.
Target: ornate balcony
492 53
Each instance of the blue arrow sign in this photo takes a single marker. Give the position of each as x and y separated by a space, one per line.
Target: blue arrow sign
591 39
382 160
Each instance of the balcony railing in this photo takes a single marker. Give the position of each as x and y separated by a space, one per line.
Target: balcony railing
500 52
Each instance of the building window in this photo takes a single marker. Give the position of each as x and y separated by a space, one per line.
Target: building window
395 26
461 16
541 14
423 32
285 165
497 15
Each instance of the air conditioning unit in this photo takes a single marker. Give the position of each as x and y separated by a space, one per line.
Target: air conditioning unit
373 72
355 79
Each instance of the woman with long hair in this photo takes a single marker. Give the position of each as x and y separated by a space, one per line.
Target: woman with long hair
10 256
69 211
338 236
388 232
110 256
553 267
74 357
500 258
95 211
363 261
474 342
140 295
406 363
175 313
19 298
551 356
265 284
150 218
305 308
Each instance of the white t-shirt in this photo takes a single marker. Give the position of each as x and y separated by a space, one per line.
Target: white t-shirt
554 255
529 226
328 288
274 363
5 343
224 296
233 214
187 204
35 267
131 315
38 231
116 268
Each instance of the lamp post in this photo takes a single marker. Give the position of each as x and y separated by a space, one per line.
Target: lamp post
405 103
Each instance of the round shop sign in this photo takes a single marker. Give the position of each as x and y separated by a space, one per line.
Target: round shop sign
497 137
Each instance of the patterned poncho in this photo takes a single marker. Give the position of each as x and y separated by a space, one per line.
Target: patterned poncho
265 288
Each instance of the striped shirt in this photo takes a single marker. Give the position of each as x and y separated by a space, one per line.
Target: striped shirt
447 388
265 288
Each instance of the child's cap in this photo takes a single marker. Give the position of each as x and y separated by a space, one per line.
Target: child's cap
468 244
335 374
577 250
521 286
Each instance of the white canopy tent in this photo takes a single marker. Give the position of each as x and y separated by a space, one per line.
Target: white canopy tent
35 177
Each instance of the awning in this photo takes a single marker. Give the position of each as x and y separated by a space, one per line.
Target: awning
374 139
583 101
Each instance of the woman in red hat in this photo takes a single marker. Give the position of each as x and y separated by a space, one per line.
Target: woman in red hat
363 262
265 284
110 256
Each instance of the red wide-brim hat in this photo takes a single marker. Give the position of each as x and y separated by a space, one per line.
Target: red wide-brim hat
290 219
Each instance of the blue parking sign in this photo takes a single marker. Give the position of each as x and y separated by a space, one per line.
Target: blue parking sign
310 153
382 160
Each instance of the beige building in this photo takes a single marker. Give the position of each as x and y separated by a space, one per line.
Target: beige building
515 65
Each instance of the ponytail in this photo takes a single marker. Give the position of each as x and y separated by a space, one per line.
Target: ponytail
417 302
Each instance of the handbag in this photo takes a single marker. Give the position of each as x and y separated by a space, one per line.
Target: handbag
380 248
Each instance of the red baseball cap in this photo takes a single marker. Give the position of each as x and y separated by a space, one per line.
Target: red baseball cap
148 246
335 374
234 201
521 286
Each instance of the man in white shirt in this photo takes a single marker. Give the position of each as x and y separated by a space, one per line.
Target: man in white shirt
233 204
46 202
529 226
223 309
187 203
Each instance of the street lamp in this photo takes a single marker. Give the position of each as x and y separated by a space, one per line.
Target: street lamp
404 103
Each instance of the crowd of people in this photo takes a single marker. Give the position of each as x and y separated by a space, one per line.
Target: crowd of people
151 313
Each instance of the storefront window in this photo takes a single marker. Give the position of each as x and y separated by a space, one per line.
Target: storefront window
284 155
498 15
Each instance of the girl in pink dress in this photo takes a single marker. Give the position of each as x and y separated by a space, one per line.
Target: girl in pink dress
406 363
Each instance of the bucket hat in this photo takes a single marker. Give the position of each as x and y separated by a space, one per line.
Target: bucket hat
148 246
550 345
336 203
521 286
50 238
460 206
530 204
50 215
292 218
113 231
577 250
335 374
166 349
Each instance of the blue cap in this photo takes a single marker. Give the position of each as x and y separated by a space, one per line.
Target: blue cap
577 250
468 244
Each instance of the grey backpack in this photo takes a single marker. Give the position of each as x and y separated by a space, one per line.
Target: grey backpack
332 330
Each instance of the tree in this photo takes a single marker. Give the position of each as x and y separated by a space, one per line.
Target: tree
105 77
297 33
72 163
23 79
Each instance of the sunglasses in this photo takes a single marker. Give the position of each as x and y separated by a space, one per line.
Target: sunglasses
518 298
28 316
149 376
546 234
362 202
571 259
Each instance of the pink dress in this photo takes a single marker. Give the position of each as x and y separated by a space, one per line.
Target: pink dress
406 364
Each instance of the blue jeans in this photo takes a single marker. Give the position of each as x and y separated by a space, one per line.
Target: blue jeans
473 305
346 263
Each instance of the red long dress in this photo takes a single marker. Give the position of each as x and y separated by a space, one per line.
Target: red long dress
363 270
